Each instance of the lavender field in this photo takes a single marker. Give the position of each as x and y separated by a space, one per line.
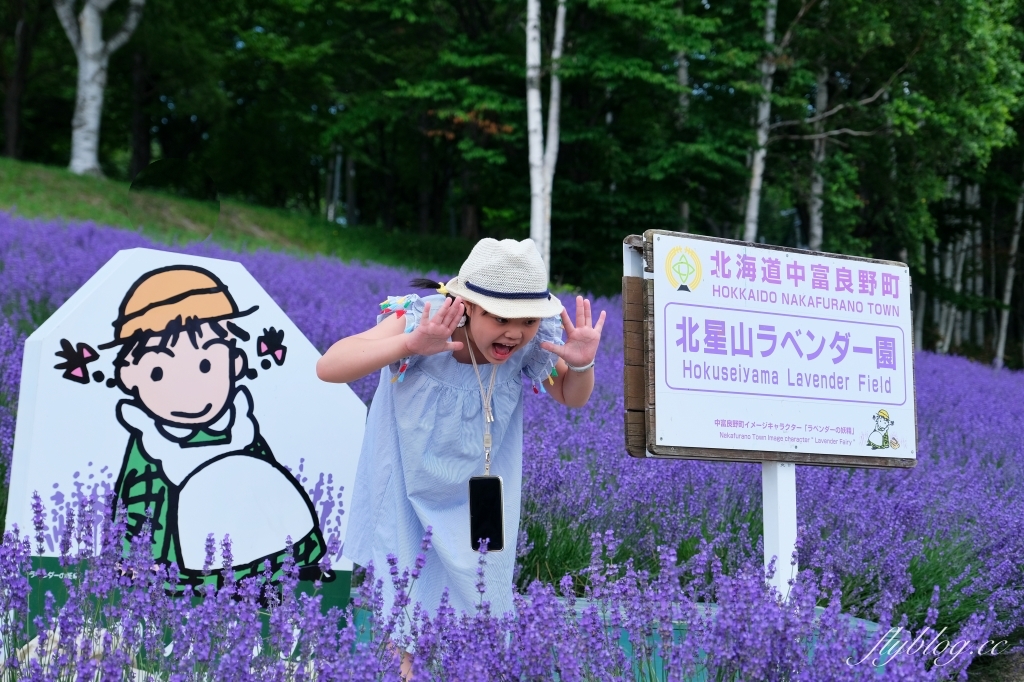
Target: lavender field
648 542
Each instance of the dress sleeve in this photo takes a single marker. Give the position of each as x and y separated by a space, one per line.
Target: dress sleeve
539 364
410 307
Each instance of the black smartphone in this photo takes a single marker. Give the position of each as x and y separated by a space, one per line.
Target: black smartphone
486 513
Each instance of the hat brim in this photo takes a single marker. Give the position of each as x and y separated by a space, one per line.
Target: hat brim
121 340
511 308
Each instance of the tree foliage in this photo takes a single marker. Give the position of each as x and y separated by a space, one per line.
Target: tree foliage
425 101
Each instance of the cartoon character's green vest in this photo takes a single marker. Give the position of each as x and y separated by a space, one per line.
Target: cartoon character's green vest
885 442
149 494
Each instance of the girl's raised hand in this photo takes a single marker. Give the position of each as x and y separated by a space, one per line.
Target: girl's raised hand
581 339
432 334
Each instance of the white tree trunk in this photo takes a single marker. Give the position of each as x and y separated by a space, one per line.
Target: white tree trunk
351 205
963 332
937 270
1011 271
979 286
93 56
945 308
764 112
552 138
953 328
972 260
332 206
534 123
542 158
957 321
922 298
92 81
948 316
683 79
817 203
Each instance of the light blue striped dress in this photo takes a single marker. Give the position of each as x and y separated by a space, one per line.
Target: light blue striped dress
423 442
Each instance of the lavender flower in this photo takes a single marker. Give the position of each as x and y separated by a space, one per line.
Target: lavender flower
38 521
637 548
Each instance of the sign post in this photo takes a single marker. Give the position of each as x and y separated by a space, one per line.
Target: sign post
778 506
754 353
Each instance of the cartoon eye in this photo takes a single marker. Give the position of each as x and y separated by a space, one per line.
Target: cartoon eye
204 366
157 374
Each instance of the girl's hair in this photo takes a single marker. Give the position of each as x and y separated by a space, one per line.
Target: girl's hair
426 283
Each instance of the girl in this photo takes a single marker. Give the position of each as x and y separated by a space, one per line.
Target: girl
454 360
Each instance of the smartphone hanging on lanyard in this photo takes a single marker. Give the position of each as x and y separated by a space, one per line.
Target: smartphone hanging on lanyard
486 506
486 513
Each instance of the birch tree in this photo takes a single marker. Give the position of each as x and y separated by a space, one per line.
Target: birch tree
93 55
543 157
972 261
979 284
764 112
944 307
919 308
953 315
817 202
1011 271
683 79
763 127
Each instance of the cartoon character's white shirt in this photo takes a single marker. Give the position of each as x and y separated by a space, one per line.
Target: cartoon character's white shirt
875 438
239 496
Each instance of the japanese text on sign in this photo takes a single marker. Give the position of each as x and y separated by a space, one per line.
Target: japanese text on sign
725 350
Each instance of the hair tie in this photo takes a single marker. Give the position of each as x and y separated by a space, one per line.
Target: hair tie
442 289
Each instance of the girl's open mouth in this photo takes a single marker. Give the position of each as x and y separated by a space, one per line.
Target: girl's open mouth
501 351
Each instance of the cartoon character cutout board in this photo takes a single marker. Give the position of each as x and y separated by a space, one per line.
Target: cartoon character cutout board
184 429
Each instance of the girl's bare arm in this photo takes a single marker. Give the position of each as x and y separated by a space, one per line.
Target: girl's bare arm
356 356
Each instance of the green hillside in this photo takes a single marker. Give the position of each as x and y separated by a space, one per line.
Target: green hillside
34 190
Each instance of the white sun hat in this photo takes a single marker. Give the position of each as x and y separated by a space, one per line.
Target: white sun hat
507 279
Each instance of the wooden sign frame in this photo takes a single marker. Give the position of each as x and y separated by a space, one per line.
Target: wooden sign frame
639 373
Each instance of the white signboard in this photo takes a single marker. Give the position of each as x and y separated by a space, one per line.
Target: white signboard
177 383
770 349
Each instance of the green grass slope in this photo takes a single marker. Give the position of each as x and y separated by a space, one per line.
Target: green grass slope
37 191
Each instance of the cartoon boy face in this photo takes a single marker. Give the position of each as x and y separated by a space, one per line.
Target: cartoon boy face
187 382
178 355
881 423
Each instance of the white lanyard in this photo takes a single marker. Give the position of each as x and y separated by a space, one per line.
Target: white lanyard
486 401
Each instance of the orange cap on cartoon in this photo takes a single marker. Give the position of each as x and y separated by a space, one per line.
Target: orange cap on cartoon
884 414
175 292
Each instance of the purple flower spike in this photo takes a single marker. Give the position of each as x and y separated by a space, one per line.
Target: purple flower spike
665 555
38 521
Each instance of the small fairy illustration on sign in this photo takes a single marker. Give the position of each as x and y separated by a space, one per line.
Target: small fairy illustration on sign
879 438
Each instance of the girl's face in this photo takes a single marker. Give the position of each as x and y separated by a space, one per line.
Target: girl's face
497 338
